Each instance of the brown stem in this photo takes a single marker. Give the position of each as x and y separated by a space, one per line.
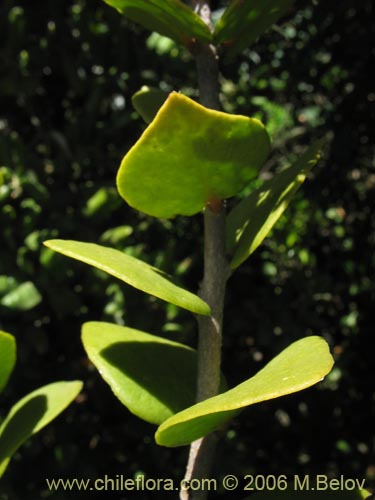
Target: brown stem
214 279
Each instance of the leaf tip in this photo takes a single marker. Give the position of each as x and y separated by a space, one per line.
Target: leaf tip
50 243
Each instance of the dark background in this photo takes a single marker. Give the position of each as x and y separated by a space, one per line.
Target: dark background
68 69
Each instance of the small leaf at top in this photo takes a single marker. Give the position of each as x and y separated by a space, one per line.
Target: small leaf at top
133 271
7 357
147 101
245 20
31 414
190 155
252 219
153 377
171 18
301 365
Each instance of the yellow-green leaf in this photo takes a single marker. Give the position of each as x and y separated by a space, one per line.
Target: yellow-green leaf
31 414
7 357
133 271
153 377
301 365
252 219
190 155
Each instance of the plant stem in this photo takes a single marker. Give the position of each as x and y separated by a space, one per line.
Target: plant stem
214 279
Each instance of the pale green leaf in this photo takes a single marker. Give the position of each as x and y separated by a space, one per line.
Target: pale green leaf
301 365
7 357
31 414
153 377
132 271
252 219
244 21
147 101
190 156
171 18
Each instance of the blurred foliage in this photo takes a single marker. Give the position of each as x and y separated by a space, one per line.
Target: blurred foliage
68 70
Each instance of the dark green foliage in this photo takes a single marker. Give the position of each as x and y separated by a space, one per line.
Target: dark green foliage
68 70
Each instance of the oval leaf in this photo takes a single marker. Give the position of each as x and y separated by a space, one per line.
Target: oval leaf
153 377
299 366
133 271
244 21
31 414
171 18
253 218
7 357
189 156
147 101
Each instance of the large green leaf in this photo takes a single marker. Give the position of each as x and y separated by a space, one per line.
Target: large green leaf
7 357
171 18
153 377
299 366
131 270
190 155
309 492
252 219
244 21
31 414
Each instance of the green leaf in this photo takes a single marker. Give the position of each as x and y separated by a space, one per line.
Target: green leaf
31 414
171 18
153 377
299 366
24 297
189 156
7 357
292 494
252 219
132 271
244 21
147 101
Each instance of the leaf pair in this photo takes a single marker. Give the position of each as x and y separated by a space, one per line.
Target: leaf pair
155 379
32 412
239 26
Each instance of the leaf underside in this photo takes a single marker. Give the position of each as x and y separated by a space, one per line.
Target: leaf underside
252 219
133 271
301 365
153 377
